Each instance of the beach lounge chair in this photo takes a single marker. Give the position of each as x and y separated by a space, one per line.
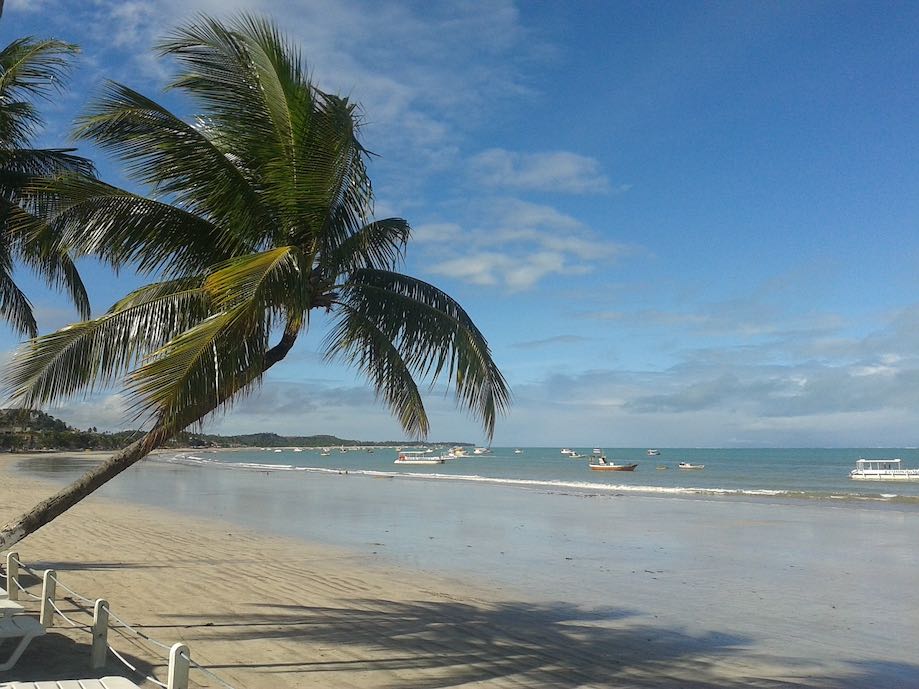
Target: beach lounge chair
104 683
16 626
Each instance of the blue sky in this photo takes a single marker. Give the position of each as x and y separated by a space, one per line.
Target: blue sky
677 223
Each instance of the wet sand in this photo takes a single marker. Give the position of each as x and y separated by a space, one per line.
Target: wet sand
679 593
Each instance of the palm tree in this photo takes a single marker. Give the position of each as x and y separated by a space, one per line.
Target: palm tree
31 69
261 221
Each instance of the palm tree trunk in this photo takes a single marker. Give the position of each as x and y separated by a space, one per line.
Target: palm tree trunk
49 509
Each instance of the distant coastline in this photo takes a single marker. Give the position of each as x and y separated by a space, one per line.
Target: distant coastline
30 430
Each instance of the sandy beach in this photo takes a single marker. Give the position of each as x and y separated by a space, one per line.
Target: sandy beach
693 594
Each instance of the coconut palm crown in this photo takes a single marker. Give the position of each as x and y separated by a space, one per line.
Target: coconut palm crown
260 214
31 70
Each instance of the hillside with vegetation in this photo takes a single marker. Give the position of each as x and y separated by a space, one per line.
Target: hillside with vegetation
29 429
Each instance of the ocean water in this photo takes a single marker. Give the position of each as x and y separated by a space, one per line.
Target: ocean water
784 474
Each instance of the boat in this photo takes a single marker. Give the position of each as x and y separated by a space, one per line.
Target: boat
482 451
298 449
279 450
603 465
325 453
689 465
653 453
518 451
566 451
418 457
662 467
882 470
574 455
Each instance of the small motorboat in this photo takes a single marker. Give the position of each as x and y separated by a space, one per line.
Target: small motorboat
603 465
653 453
688 465
662 467
518 451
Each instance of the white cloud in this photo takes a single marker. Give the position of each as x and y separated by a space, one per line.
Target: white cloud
436 232
515 272
557 172
515 244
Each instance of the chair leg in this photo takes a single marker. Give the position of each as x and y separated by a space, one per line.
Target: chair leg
14 656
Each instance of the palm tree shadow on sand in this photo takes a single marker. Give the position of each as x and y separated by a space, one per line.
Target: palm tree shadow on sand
427 644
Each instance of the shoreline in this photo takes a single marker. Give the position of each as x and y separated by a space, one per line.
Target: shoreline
768 601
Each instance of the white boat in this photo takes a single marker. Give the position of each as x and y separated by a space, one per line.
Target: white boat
482 451
518 451
882 470
601 464
689 465
574 455
279 450
325 453
653 453
409 457
566 451
297 449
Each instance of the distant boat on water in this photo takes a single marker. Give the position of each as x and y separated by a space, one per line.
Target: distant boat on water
601 464
518 451
882 470
689 465
418 457
653 453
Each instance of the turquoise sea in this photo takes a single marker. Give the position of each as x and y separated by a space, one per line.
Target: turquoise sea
776 474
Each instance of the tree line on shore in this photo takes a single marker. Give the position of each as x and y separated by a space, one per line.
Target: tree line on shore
34 430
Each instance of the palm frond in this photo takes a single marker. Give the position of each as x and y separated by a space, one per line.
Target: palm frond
78 357
350 194
267 279
177 160
36 245
15 307
433 334
19 166
185 378
358 339
92 217
379 245
29 69
227 350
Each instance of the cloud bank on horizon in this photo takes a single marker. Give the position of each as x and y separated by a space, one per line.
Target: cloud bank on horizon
677 225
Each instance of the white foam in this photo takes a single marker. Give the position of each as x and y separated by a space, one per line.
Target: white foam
541 484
